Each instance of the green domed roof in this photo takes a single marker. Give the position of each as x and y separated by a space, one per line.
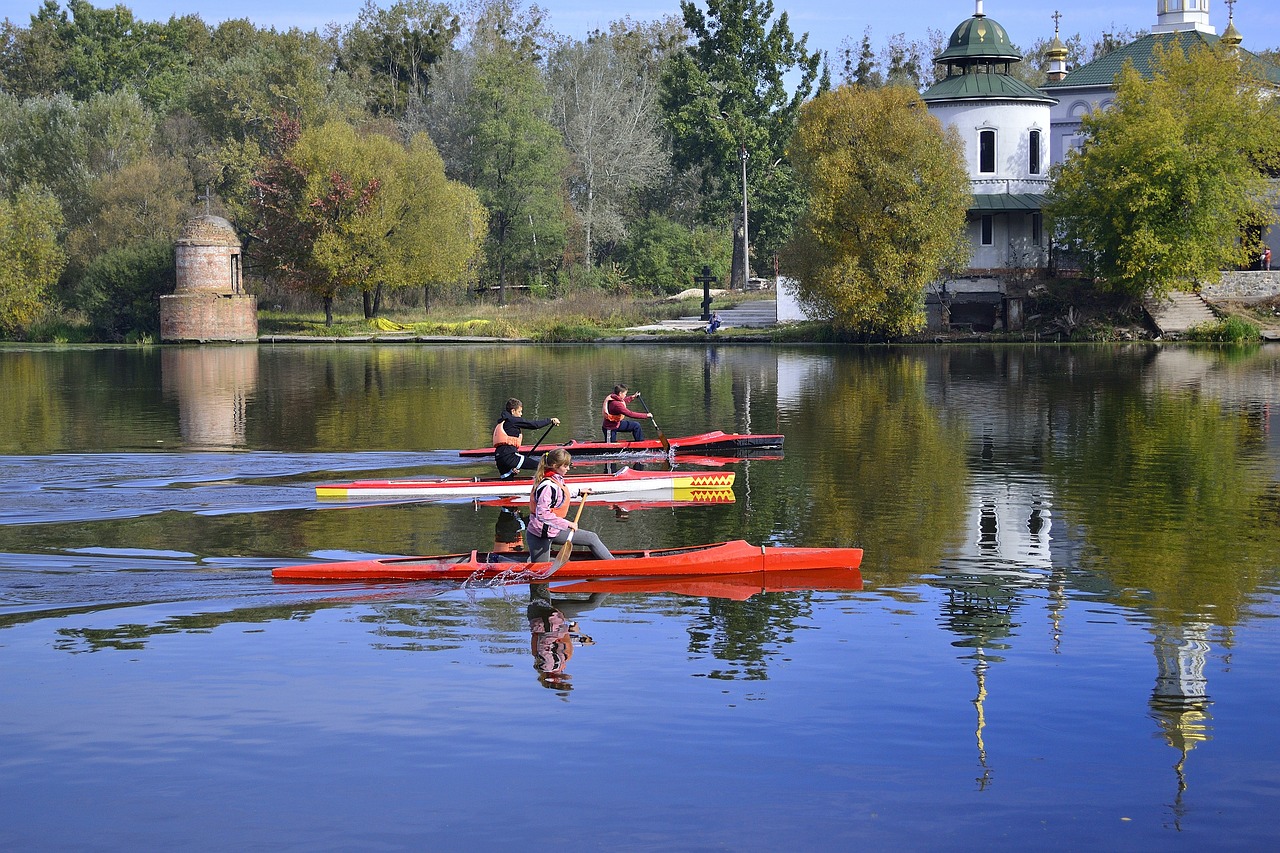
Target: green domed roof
979 37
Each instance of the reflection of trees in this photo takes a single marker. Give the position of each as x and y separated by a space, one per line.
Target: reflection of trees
1178 514
745 634
889 474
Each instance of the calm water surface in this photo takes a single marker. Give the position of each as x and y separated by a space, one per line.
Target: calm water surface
1065 636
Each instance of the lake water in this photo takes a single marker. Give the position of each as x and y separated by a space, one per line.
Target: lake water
1065 636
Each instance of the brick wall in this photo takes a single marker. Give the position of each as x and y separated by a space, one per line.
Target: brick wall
208 317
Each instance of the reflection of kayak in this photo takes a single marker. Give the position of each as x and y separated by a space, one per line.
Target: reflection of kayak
735 557
658 483
707 442
738 587
633 500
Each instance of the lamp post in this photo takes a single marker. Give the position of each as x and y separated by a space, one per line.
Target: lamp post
746 245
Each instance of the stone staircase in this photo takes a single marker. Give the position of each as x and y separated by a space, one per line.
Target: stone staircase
1177 312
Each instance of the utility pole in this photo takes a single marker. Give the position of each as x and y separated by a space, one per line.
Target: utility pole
746 244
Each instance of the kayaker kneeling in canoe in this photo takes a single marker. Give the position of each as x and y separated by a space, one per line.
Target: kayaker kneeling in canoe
549 509
508 435
615 410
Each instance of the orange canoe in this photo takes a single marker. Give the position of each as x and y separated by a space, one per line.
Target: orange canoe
722 558
738 587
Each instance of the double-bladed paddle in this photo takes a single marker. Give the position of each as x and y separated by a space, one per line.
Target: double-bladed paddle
567 548
666 445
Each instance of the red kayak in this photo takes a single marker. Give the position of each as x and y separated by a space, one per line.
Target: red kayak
735 557
706 443
737 587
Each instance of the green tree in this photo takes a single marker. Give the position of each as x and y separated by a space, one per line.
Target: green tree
148 199
604 92
341 211
390 52
1171 176
662 255
29 226
121 290
888 194
726 95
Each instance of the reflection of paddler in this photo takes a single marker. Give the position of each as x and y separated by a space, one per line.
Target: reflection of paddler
508 532
551 639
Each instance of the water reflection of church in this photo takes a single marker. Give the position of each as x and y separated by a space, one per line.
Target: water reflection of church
1014 547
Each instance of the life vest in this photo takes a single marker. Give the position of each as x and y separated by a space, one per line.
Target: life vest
500 435
559 501
611 421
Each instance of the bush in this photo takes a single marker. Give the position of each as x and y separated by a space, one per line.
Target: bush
120 290
1232 330
664 256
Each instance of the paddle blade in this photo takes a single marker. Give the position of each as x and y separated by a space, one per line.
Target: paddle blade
567 548
563 557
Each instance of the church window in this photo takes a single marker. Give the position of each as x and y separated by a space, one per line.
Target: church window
987 151
1034 148
1036 228
988 229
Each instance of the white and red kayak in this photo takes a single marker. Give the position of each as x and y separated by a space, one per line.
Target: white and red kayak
704 443
668 485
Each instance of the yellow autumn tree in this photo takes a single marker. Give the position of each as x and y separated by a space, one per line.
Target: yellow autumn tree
384 214
887 198
29 227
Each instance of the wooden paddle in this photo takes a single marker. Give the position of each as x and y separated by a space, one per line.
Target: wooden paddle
567 548
666 445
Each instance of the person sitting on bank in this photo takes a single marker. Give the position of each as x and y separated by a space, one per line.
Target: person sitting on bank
549 509
508 435
714 324
615 413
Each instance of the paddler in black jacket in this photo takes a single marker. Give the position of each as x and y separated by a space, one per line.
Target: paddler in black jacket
508 435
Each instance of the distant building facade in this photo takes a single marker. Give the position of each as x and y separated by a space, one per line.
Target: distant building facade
1004 125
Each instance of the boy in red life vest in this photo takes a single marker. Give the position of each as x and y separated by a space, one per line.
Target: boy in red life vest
549 508
508 435
615 410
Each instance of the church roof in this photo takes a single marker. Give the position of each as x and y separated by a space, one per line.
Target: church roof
1000 202
1141 51
979 37
965 87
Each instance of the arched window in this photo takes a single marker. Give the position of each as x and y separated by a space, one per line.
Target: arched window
1033 149
987 151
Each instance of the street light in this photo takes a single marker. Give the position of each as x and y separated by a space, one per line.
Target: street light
746 243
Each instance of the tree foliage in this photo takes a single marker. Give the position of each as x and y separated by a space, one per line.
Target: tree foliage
1171 181
604 95
888 194
729 88
29 227
121 289
390 52
340 210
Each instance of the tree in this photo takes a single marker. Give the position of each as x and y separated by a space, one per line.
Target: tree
725 95
604 92
888 194
663 255
389 53
489 112
1170 186
341 210
148 199
29 227
121 289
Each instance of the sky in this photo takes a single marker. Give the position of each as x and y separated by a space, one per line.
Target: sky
828 22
